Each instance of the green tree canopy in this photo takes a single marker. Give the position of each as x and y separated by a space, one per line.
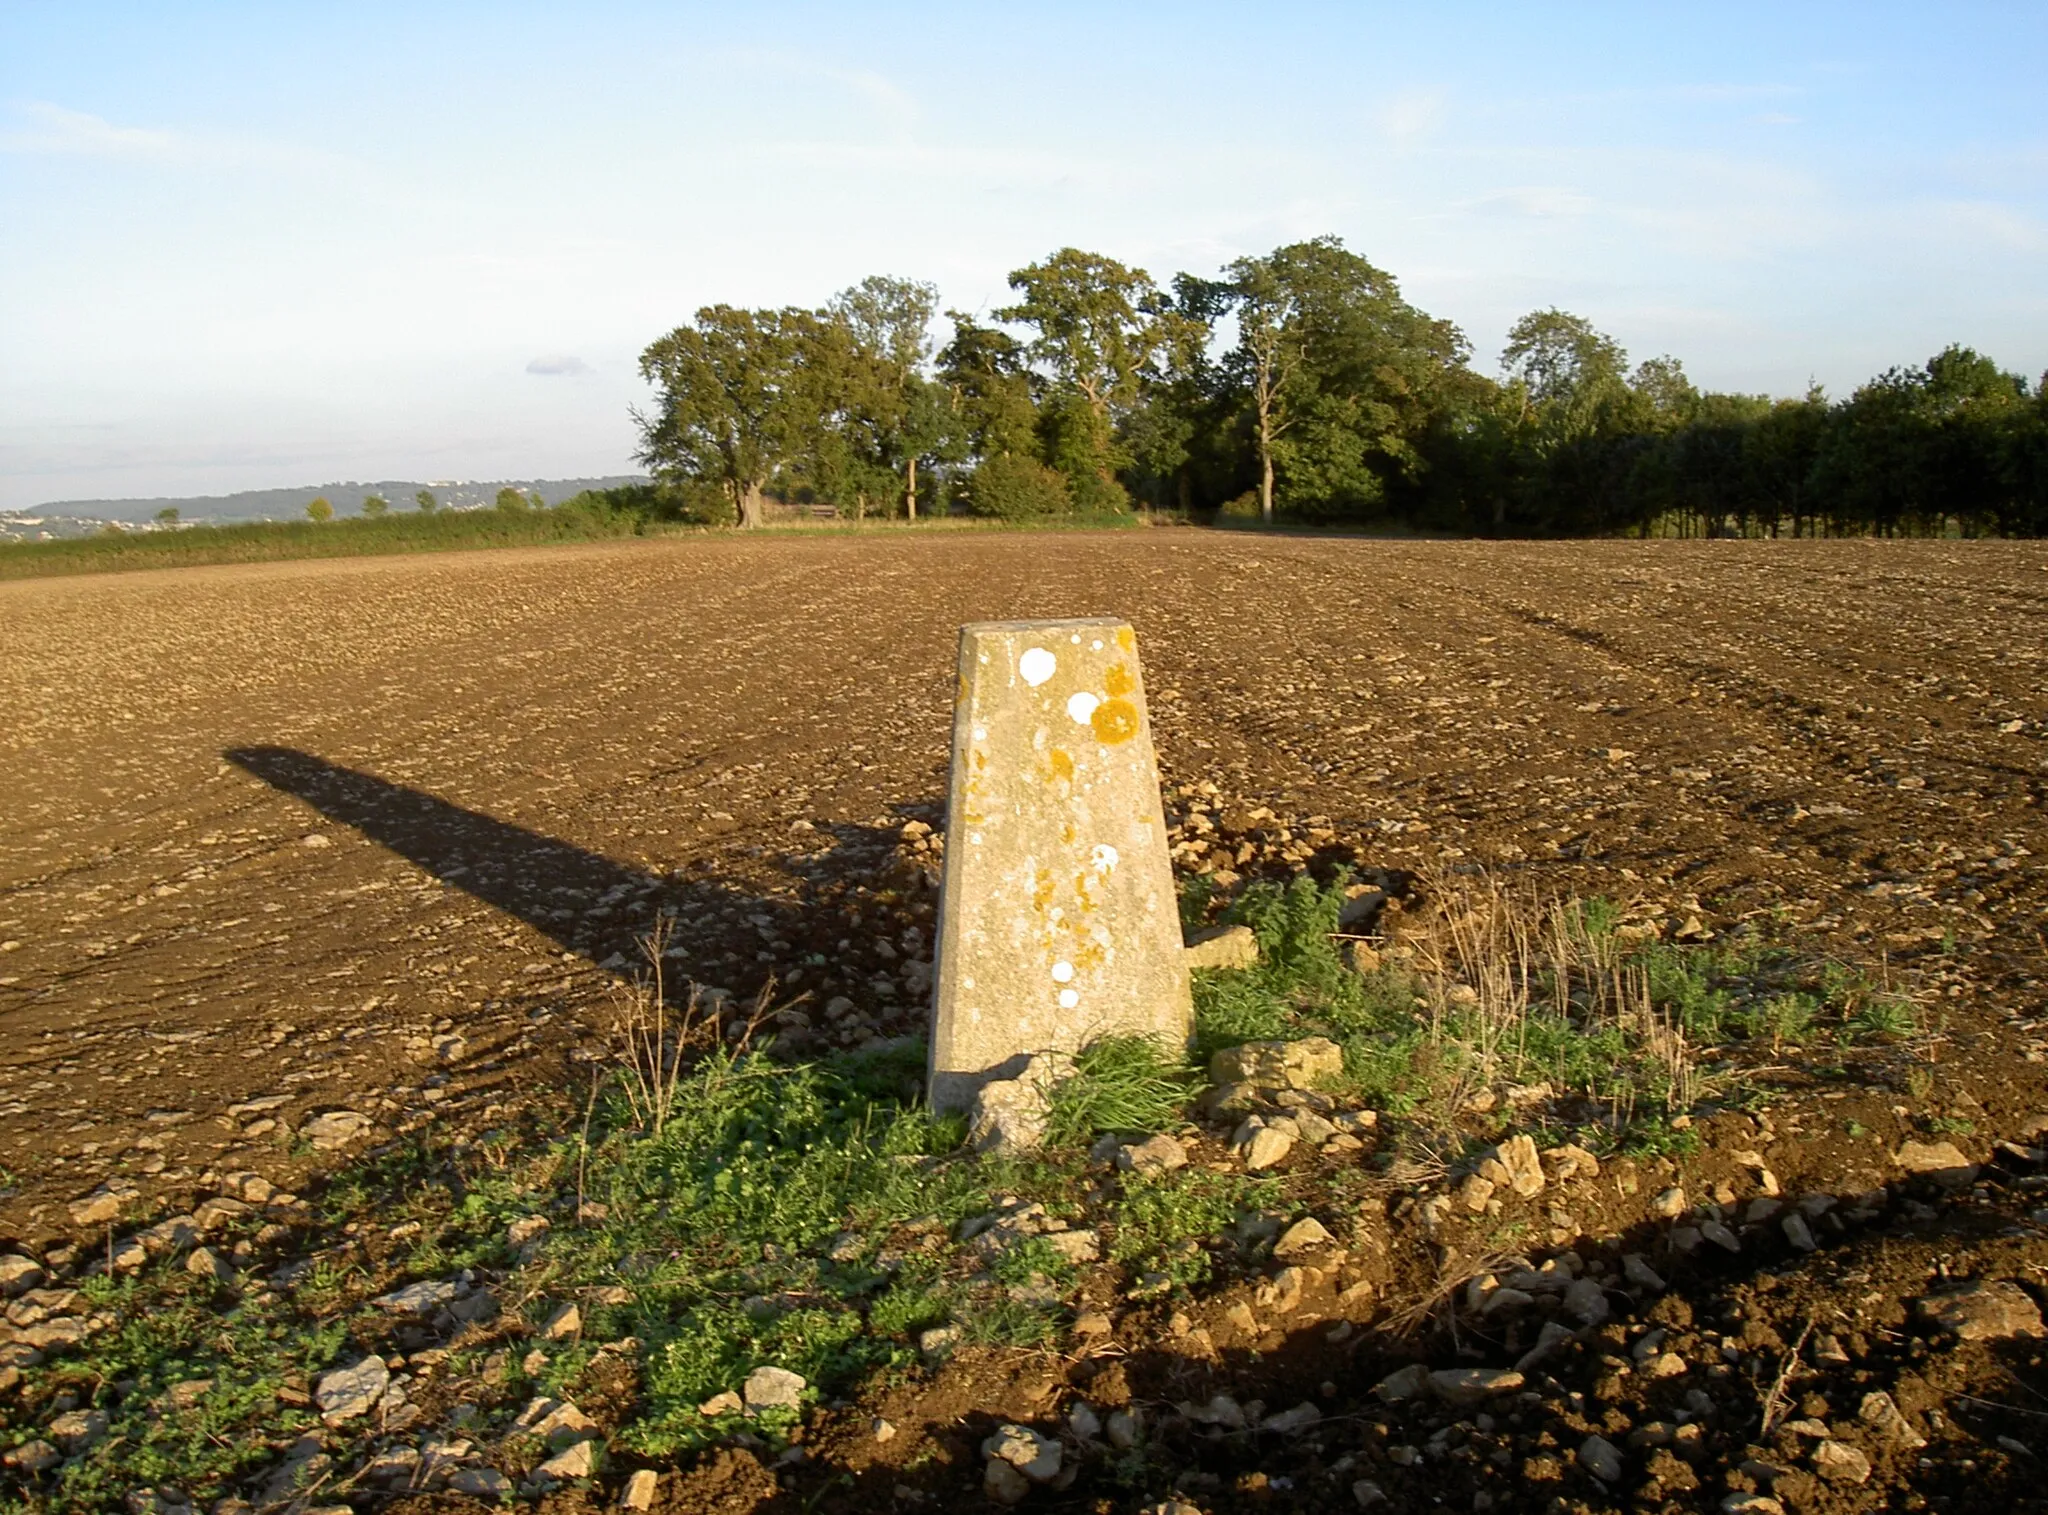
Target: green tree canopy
888 415
1571 372
985 373
1093 319
426 502
320 508
740 394
375 505
1340 373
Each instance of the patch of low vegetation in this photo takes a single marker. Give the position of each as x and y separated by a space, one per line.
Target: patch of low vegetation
1484 996
713 1211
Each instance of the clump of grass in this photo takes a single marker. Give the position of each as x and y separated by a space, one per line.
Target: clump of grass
1300 986
1119 1083
1885 1018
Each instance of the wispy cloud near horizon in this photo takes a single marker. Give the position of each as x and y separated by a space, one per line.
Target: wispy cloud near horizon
52 129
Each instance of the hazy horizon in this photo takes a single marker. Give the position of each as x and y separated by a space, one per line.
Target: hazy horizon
244 247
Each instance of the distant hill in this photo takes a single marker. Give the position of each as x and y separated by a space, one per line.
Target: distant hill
69 517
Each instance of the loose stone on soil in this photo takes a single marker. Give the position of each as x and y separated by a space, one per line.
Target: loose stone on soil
1304 1064
770 1388
418 1299
577 1461
1943 1162
1035 1456
19 1274
32 1457
1463 1388
204 1262
1262 1145
1156 1154
640 1489
1403 1383
1881 1413
1984 1311
1303 1237
1601 1458
75 1430
335 1129
1007 1116
1838 1462
349 1392
1514 1165
1224 947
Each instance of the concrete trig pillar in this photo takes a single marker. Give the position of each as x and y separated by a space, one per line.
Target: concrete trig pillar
1058 922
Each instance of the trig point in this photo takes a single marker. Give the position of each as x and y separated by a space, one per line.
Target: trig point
1057 919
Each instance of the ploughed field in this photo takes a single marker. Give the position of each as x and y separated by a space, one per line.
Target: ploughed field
297 859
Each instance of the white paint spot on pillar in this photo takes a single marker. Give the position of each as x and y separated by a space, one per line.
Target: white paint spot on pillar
1036 666
1103 858
1063 973
1082 706
1069 999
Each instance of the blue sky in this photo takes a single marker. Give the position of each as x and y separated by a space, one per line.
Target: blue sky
246 245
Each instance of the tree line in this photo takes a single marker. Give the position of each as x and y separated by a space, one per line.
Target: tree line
1302 386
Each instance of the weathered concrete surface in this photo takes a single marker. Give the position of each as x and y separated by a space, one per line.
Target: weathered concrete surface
1058 922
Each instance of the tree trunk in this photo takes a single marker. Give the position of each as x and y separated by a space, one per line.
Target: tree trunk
753 512
910 490
1265 462
1265 407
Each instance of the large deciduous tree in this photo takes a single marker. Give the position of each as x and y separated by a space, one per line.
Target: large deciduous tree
739 394
889 416
986 375
1340 375
1571 373
1096 332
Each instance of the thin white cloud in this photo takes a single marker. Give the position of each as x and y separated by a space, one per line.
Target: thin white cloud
1540 201
559 365
51 129
1413 114
1982 220
890 100
40 128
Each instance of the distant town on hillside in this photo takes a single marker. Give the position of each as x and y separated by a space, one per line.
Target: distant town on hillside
72 518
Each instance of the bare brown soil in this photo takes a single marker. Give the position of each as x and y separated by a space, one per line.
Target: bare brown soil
273 831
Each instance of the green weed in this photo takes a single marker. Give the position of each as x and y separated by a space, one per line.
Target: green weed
1885 1018
1161 1220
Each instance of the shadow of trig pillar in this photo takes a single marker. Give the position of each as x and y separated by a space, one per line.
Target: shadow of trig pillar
1058 922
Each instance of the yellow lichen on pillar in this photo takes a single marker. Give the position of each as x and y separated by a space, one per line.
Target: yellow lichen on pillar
1057 920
